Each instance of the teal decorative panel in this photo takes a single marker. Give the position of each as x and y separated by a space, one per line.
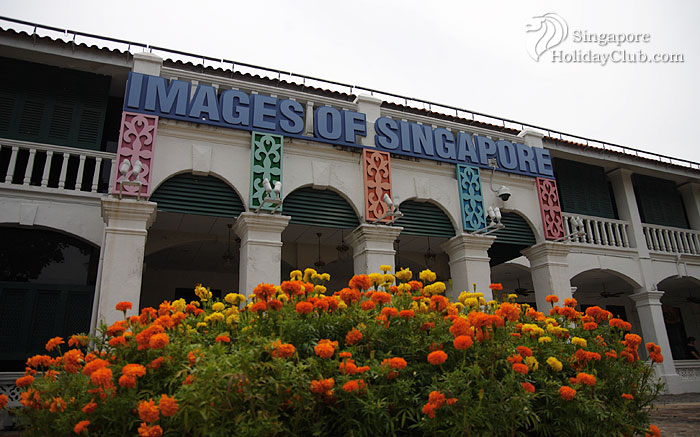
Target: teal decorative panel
265 162
471 198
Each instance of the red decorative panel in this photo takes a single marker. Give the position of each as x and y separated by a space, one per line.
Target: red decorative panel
137 138
377 178
548 195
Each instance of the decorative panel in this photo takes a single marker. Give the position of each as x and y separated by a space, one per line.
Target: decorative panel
376 172
550 208
265 162
137 138
471 199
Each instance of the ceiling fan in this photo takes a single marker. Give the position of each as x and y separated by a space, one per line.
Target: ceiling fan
522 291
693 299
606 294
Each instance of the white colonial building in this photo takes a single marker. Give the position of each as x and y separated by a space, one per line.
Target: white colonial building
126 175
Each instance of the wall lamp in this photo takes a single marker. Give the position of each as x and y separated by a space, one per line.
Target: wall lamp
578 232
270 198
392 211
494 217
127 172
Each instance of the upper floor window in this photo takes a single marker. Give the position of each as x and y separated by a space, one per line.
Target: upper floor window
584 189
659 202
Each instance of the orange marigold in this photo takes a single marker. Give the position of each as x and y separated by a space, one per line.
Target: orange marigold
325 348
367 305
429 410
497 286
117 341
124 306
223 339
653 431
396 363
259 306
127 381
389 311
436 398
590 326
381 297
51 344
567 393
283 350
58 405
168 405
134 370
627 396
102 377
304 307
528 387
620 324
150 431
4 400
354 385
322 386
437 357
78 340
71 360
81 426
524 351
552 298
264 291
360 282
520 368
463 342
159 341
90 407
96 364
509 311
407 314
353 337
148 411
157 363
585 378
24 381
570 302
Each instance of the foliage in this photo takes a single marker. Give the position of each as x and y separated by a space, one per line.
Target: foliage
375 358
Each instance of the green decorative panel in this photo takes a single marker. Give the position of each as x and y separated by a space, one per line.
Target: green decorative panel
265 162
308 206
659 202
583 189
203 195
424 218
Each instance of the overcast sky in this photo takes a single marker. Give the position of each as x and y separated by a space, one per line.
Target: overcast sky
466 54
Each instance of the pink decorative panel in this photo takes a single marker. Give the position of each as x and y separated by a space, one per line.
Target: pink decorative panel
548 195
377 178
137 138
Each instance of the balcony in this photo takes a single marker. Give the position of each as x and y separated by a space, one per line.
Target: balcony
54 169
599 231
672 240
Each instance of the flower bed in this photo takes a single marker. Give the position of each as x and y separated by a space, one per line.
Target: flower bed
387 355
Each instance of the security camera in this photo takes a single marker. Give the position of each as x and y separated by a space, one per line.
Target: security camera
503 193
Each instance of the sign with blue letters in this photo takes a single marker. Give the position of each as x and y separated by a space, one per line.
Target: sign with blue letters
236 109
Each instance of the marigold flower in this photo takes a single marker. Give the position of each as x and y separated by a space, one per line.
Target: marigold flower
322 386
496 286
437 357
58 405
552 299
396 363
135 370
580 342
545 339
627 396
590 326
304 307
653 431
528 387
656 357
90 407
429 410
427 276
381 297
168 405
223 339
509 311
427 326
78 340
102 377
81 426
451 401
620 324
353 337
148 411
570 302
436 398
354 385
390 312
555 364
404 275
117 341
367 305
524 351
159 341
127 381
345 355
520 368
463 342
360 282
52 343
585 378
124 306
40 361
283 350
407 314
157 363
325 348
150 431
24 381
567 393
4 400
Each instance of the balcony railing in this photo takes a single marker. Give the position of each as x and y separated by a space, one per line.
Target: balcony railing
672 240
598 230
54 168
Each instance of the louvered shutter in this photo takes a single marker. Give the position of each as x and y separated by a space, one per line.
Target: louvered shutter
308 206
583 189
659 202
424 218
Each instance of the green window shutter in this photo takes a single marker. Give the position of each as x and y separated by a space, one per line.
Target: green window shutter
583 189
659 202
312 207
517 231
424 218
202 195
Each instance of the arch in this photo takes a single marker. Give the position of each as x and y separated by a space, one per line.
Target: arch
313 207
617 274
426 218
516 236
676 280
204 195
625 269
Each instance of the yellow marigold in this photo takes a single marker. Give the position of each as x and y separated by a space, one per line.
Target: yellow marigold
320 289
385 268
232 319
201 324
202 292
325 277
216 317
471 302
308 274
545 339
532 363
389 279
218 306
295 275
179 305
376 279
555 364
404 275
580 342
234 298
512 296
427 276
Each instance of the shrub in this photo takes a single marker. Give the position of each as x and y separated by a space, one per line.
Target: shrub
375 358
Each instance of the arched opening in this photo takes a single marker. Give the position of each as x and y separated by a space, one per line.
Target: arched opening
189 241
315 212
516 236
515 278
681 308
425 227
47 286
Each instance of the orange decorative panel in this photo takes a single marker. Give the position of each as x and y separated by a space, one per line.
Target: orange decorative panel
376 171
548 195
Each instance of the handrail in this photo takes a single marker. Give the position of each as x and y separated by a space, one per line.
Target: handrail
608 146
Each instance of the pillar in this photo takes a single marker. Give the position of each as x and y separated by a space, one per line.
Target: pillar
261 249
651 318
469 264
371 107
121 265
373 246
626 202
550 272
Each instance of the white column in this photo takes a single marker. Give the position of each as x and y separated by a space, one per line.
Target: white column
373 246
469 264
261 249
147 63
550 272
127 222
651 319
371 107
626 202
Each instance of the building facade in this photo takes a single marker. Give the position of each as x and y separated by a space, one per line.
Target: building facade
127 176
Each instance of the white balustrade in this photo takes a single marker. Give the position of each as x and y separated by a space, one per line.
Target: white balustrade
672 240
598 230
34 164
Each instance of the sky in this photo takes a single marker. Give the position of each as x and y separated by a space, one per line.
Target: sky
473 55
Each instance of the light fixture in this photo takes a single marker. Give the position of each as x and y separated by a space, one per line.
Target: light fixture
502 192
493 215
228 256
343 249
271 199
391 211
577 233
127 171
320 262
429 255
